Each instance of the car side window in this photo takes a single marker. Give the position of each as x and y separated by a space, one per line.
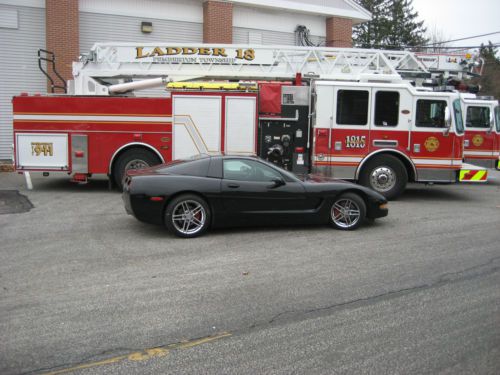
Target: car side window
248 170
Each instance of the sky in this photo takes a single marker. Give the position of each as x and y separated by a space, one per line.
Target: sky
456 19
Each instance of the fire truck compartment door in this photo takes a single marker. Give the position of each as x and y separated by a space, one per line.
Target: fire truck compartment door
241 125
41 151
197 125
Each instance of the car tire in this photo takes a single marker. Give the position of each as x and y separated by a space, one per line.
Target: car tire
132 159
187 216
348 211
386 175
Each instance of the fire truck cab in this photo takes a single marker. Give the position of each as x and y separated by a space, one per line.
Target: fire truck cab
482 130
384 135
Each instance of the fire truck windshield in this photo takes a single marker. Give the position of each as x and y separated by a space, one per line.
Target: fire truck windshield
457 111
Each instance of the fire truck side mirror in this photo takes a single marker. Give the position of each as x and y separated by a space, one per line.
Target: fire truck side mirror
447 120
492 122
447 117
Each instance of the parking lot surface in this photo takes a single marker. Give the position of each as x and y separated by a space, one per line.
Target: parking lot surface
87 289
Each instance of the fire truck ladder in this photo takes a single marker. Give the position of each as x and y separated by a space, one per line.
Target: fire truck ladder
117 61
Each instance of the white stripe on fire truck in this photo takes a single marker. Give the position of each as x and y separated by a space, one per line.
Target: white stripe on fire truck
349 159
71 118
437 162
485 153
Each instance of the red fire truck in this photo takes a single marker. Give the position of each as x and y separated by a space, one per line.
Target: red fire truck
347 113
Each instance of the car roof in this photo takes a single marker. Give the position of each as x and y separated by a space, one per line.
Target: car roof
223 155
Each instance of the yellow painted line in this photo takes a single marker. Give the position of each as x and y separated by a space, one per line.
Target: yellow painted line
190 344
144 355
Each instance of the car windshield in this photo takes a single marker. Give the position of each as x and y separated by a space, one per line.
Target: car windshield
290 176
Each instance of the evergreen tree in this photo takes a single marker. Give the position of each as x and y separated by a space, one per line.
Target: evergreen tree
394 25
371 34
403 28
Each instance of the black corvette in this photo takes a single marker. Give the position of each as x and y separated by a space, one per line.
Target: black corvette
189 196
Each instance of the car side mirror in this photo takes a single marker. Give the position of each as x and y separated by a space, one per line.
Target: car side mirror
277 182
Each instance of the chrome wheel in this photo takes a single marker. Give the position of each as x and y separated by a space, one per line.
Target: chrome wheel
346 213
189 217
383 179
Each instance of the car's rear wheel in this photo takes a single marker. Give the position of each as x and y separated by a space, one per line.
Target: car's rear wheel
135 158
348 211
187 216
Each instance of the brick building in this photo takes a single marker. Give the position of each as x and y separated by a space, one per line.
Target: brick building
71 27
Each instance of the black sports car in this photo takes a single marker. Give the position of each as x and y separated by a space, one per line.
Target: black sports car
189 196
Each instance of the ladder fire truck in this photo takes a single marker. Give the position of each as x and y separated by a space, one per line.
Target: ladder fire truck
354 114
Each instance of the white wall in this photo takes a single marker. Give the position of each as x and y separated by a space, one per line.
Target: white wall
19 64
277 20
179 10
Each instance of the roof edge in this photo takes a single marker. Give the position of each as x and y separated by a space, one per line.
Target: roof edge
358 13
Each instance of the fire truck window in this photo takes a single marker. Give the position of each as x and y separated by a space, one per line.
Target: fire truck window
478 117
352 107
386 108
431 113
248 170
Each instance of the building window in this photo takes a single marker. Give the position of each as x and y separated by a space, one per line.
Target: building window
431 113
386 108
478 117
352 107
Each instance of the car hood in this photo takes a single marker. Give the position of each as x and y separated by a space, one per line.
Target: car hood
319 179
145 171
315 182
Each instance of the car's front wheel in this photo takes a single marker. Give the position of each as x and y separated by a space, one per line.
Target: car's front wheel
348 211
187 216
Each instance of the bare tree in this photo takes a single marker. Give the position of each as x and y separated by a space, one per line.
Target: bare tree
437 40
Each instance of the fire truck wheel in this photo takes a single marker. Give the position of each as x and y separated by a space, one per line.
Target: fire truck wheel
187 216
386 175
132 159
348 211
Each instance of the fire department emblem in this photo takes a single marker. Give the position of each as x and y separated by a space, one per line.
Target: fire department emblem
431 144
477 140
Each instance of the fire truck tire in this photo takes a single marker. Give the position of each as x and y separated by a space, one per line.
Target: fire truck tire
187 216
135 158
348 211
386 175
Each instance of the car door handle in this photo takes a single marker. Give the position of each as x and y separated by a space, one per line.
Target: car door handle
234 186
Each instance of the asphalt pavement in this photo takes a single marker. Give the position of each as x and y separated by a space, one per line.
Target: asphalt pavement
87 289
